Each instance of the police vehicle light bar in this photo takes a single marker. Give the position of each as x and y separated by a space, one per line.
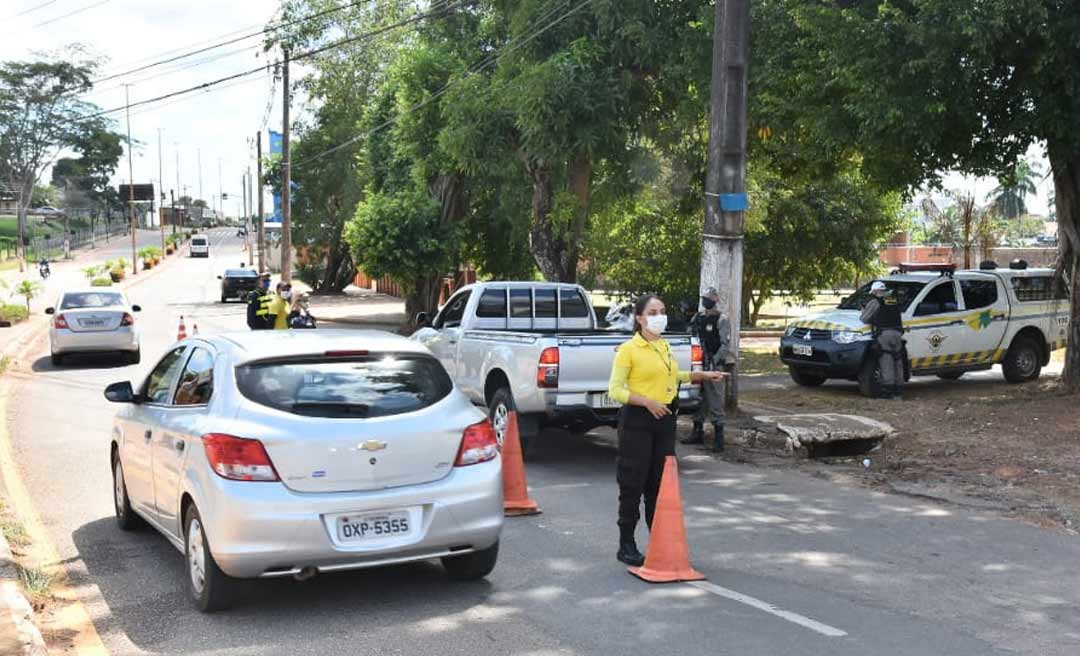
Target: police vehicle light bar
944 269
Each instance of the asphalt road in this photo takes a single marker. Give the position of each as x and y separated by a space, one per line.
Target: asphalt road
796 565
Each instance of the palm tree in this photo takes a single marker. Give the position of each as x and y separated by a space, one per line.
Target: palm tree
1011 194
28 289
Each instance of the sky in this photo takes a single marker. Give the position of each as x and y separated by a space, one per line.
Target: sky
211 126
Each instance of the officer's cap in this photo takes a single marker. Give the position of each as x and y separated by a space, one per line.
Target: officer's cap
877 286
711 294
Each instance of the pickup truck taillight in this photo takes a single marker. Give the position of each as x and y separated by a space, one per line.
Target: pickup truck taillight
697 358
547 371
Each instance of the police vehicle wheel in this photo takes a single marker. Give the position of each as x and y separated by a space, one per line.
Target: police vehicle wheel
805 378
951 375
1023 361
870 379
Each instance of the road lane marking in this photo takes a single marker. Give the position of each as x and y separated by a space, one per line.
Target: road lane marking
73 617
795 618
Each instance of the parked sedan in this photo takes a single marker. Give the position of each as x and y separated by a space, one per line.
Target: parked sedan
93 321
238 283
290 453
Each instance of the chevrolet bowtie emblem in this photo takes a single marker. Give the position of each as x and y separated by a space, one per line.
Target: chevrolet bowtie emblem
373 445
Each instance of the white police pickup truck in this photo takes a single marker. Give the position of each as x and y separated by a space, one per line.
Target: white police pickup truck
536 348
954 322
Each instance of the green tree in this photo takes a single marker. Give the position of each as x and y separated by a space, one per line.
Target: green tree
99 151
923 87
40 108
1010 196
28 289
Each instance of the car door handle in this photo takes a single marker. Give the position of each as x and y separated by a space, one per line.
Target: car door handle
148 434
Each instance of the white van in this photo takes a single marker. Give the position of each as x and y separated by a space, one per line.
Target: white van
200 246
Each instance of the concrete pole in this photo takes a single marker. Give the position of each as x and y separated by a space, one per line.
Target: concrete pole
286 170
722 252
131 183
259 201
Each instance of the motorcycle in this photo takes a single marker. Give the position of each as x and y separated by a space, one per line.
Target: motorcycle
43 270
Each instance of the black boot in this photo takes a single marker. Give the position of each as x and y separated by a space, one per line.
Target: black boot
628 552
718 438
896 395
697 436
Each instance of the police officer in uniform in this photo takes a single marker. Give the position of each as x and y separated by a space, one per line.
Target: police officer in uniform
882 312
713 331
645 379
258 308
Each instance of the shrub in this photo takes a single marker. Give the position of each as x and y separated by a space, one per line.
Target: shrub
13 312
101 282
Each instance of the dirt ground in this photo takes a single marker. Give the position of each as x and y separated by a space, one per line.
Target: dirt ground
984 443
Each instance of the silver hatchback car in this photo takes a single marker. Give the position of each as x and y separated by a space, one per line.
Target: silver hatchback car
282 453
93 320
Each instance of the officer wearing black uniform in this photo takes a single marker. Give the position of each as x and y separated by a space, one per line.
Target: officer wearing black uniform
258 308
713 331
882 312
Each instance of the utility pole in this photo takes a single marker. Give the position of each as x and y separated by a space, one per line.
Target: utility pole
244 209
286 170
220 186
131 182
172 199
259 196
725 183
198 157
161 179
248 213
175 218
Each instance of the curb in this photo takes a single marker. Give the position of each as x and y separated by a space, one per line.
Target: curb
19 636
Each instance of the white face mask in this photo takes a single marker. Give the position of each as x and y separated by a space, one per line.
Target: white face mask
286 295
656 323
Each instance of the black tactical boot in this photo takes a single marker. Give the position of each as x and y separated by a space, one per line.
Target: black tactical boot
718 438
896 394
628 552
697 436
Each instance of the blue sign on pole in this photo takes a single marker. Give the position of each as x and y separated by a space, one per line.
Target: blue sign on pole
276 148
734 202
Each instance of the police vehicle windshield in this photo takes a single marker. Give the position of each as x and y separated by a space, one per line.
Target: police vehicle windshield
905 294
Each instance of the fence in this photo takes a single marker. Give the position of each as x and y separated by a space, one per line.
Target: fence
53 247
944 254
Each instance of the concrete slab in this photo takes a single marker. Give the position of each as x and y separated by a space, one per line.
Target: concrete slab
814 430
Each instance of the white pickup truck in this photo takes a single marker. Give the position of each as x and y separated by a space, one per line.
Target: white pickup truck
954 322
536 348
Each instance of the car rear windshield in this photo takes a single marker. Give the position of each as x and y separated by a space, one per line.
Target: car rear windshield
78 301
360 387
905 294
198 241
241 273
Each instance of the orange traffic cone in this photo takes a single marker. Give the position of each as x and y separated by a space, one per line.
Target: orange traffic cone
181 332
668 557
516 499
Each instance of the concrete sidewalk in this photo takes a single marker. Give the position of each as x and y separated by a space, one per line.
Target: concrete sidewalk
357 307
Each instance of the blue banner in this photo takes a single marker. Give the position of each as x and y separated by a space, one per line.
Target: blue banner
276 148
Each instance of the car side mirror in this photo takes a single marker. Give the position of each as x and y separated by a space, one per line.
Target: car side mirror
50 310
136 308
121 393
219 278
422 320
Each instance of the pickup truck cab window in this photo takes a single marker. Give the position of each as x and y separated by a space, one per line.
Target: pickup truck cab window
939 300
492 304
454 312
545 303
979 294
573 304
1034 289
521 303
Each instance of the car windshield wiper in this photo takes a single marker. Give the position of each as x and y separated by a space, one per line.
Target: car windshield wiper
339 407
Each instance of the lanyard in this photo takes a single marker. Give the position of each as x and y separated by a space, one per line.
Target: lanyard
666 361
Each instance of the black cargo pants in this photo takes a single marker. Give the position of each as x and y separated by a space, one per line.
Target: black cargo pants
644 444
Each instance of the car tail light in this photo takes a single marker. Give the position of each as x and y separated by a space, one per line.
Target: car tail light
238 459
128 320
697 358
478 444
60 322
547 371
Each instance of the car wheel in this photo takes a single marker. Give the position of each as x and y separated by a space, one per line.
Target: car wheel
502 404
1023 361
805 378
126 518
57 359
870 378
224 298
209 586
951 375
472 566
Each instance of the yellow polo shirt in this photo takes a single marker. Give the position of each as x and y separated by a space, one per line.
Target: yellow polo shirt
279 307
648 369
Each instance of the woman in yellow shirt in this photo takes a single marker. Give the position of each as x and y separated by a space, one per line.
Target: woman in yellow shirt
645 379
279 307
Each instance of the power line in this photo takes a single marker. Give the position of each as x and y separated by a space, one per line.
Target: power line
265 30
304 55
34 8
491 59
70 14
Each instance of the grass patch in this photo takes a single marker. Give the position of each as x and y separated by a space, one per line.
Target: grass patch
9 227
36 582
4 363
14 532
760 362
14 312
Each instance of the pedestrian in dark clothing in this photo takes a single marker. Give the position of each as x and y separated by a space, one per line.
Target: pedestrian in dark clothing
713 331
258 307
882 312
645 379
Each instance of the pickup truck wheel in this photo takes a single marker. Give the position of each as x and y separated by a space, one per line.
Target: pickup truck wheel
502 404
1023 361
805 378
870 378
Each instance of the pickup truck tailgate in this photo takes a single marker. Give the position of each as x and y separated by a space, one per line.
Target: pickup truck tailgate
585 362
